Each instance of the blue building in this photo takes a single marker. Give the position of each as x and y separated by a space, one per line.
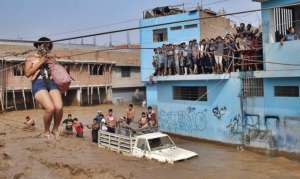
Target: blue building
257 108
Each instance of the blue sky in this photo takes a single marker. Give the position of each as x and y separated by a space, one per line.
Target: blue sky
30 19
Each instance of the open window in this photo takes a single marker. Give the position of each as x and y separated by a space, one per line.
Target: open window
142 145
125 72
160 35
283 19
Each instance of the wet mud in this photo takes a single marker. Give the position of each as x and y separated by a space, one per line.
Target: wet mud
24 154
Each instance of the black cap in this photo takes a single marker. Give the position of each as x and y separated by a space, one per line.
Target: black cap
41 41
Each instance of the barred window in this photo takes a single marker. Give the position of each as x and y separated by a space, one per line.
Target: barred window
190 93
286 91
253 87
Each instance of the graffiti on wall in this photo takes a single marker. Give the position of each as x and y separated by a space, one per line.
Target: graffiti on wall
270 130
219 112
187 120
251 130
235 125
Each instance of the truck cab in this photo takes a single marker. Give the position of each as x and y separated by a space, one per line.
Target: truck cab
159 146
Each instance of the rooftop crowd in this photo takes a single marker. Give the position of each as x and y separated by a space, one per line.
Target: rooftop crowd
239 51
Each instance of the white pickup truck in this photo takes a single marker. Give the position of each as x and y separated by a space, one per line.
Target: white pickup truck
156 145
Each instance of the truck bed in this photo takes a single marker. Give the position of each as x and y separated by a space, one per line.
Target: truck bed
116 142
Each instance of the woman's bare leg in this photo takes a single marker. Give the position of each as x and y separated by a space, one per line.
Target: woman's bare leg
44 99
58 106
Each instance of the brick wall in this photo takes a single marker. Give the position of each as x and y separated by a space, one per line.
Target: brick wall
213 27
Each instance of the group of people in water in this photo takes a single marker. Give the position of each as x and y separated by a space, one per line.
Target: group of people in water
110 122
105 122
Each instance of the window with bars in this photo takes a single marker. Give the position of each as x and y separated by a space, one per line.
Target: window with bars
286 91
190 93
283 19
253 87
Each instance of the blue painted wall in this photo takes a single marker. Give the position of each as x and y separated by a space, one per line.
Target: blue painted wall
220 118
198 118
152 95
284 130
288 54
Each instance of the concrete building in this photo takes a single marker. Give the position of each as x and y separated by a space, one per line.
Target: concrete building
99 77
256 108
176 33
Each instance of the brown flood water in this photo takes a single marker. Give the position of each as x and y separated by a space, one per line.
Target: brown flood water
23 154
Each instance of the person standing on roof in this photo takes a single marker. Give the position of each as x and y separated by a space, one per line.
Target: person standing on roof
44 90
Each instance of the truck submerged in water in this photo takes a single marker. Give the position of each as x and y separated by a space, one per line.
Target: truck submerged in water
154 145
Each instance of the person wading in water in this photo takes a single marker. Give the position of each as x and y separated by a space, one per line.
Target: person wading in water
44 89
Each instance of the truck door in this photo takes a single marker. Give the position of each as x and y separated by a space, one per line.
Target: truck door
140 148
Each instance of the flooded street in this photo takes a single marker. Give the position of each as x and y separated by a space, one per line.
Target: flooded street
23 154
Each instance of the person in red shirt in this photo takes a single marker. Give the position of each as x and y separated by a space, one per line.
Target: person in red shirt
78 128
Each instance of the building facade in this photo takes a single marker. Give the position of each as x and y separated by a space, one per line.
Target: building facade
99 76
175 34
255 108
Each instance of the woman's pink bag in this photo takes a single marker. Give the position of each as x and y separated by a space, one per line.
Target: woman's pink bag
60 76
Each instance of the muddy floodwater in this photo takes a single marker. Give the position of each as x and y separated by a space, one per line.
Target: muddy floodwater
23 154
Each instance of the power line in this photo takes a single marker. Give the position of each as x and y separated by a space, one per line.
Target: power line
91 28
144 27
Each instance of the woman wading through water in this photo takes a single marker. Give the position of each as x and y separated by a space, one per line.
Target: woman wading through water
44 89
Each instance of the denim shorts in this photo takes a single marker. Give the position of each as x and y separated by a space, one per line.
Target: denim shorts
40 84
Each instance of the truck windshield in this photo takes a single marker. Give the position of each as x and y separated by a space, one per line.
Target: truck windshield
160 143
